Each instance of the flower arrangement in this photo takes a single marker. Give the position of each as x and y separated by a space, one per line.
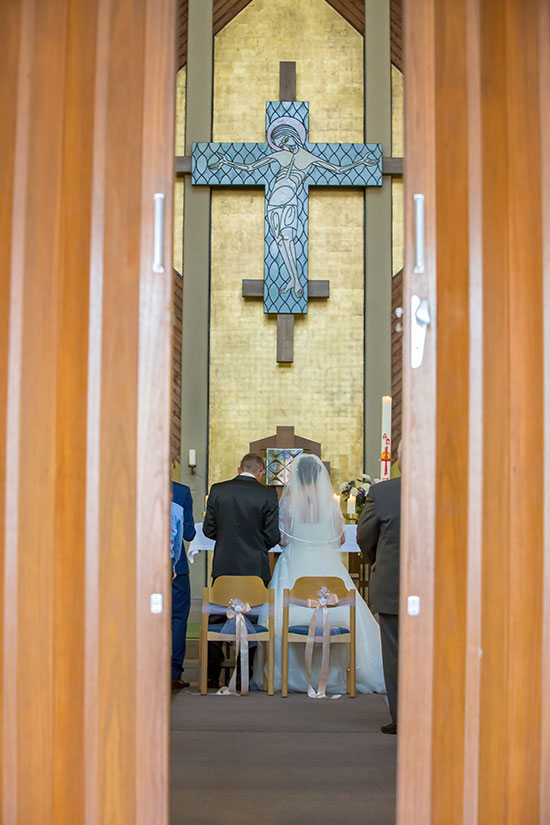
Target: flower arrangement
358 488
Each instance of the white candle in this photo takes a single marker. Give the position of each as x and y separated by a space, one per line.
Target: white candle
336 498
351 505
385 440
192 458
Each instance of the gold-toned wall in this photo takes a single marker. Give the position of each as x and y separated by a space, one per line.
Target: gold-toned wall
321 393
178 186
397 140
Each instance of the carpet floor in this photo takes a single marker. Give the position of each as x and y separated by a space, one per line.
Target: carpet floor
261 760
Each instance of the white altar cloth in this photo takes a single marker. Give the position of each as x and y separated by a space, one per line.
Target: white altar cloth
201 543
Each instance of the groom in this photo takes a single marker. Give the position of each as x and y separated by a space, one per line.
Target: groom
242 515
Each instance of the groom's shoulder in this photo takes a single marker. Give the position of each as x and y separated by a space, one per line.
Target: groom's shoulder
220 486
385 490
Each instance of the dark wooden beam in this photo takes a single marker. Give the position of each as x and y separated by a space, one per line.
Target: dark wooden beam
253 288
390 166
318 289
315 289
183 165
285 339
287 80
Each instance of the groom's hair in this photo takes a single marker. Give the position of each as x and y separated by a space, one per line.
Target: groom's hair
252 463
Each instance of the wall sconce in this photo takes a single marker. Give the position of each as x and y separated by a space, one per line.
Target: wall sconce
192 461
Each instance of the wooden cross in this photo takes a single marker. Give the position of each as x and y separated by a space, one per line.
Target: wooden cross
248 164
255 288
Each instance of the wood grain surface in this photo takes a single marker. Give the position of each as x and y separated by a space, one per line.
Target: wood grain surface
477 115
87 93
418 508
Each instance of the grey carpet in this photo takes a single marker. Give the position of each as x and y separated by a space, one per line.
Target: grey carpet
260 760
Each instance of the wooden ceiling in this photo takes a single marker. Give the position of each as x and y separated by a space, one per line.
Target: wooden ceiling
351 10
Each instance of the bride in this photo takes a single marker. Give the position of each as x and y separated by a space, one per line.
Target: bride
312 531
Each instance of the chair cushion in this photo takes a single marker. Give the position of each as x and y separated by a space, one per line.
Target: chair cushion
303 630
257 628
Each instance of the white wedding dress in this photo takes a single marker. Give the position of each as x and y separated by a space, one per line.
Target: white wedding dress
312 523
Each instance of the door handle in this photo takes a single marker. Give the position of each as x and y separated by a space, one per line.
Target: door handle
419 234
420 320
158 233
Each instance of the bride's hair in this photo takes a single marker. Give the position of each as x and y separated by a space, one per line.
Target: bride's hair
308 470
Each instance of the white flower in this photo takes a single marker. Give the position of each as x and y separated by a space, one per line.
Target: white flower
354 491
343 487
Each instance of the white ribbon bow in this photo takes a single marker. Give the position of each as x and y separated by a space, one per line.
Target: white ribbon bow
325 598
236 611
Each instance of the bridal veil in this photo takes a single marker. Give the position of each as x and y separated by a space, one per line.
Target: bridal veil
308 500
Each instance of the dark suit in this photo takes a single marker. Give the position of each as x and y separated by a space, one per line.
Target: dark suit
378 535
181 591
242 516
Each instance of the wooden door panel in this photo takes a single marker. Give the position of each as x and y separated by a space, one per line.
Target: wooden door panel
452 408
419 428
87 89
10 277
36 640
544 96
474 148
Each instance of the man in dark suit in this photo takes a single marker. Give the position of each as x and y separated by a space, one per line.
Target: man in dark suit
378 532
242 515
181 591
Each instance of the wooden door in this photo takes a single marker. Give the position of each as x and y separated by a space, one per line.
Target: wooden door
87 100
475 663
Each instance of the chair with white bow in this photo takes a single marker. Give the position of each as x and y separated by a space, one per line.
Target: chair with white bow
320 594
237 596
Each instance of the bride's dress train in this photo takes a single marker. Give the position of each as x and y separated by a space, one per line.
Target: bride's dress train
308 553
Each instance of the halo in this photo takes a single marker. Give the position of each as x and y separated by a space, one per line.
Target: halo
293 122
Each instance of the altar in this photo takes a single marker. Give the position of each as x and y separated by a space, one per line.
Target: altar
201 543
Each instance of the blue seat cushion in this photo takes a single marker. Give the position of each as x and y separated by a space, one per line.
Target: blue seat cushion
303 630
258 628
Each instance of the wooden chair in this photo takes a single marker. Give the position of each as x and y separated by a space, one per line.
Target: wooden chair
247 589
308 587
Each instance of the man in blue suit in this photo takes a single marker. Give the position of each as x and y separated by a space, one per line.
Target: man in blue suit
181 591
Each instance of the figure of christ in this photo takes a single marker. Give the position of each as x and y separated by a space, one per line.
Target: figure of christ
287 137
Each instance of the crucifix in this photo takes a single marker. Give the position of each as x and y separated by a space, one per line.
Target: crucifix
286 165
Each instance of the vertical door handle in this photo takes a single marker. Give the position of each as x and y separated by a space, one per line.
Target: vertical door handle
420 320
419 234
158 234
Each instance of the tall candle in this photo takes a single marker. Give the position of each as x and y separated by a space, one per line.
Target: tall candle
192 461
351 505
336 498
385 440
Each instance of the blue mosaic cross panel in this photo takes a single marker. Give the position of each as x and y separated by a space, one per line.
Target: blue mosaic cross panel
286 165
278 463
